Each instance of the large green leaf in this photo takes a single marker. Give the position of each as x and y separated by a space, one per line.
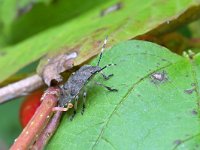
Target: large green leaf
26 18
83 32
145 113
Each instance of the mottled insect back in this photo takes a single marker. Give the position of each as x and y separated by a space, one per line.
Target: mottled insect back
78 80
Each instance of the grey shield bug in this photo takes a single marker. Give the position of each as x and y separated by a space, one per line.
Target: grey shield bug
76 82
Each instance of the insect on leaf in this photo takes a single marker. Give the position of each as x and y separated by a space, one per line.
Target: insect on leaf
147 112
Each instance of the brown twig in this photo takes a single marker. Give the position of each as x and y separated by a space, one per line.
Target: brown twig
20 88
48 131
38 121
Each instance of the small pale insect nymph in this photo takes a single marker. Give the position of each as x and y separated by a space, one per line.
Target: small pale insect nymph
159 77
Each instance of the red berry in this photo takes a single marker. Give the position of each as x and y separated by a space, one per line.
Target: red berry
29 106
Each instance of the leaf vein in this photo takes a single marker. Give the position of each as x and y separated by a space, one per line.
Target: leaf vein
126 95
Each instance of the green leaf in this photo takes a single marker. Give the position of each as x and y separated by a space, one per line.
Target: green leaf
84 31
10 126
145 113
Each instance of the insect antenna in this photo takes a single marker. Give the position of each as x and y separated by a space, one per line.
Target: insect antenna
107 66
103 47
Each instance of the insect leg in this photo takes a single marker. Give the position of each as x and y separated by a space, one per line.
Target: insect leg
107 87
75 108
105 76
84 100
